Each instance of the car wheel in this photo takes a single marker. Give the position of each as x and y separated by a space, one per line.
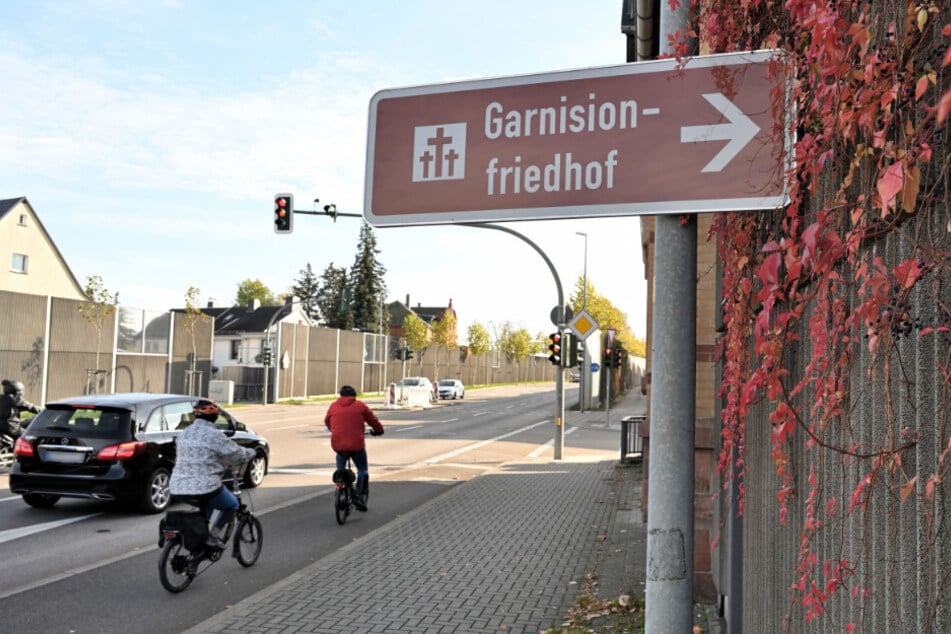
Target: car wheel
156 495
40 500
254 474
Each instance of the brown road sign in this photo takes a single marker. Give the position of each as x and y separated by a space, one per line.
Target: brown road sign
645 138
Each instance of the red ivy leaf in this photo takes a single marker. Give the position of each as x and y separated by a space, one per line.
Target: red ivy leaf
907 488
909 272
889 185
810 237
769 269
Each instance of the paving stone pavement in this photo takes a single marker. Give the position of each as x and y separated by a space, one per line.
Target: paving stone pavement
504 552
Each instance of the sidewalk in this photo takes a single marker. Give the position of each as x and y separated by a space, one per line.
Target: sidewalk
507 551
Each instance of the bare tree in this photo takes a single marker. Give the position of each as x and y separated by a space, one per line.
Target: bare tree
193 317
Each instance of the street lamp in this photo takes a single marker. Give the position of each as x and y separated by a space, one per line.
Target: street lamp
582 381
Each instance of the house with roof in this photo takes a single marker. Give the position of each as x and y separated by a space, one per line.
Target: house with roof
242 332
33 264
429 314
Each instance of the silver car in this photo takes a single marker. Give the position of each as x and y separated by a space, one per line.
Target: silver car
451 388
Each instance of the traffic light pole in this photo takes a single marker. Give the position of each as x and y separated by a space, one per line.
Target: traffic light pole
559 442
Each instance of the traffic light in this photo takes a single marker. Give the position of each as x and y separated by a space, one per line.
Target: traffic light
283 213
555 347
266 357
608 357
398 354
571 345
407 354
618 358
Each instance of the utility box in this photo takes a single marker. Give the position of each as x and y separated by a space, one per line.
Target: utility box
631 442
221 391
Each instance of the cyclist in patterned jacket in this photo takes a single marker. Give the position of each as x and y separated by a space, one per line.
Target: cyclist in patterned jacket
203 452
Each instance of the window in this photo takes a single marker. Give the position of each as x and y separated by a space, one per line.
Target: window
142 331
374 348
19 263
179 415
130 330
22 222
235 349
157 323
154 423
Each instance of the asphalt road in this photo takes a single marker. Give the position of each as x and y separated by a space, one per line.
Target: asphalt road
89 567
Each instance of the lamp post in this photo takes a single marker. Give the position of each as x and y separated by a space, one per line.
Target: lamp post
582 381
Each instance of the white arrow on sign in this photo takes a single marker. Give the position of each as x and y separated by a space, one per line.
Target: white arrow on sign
739 131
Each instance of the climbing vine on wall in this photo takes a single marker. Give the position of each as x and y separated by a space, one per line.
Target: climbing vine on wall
870 84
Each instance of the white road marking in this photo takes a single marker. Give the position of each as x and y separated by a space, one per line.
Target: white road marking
293 471
16 533
462 450
542 449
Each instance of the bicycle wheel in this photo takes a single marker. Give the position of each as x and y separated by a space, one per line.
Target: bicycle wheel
173 566
248 540
341 505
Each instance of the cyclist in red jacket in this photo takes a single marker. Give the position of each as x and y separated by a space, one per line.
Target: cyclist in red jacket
345 419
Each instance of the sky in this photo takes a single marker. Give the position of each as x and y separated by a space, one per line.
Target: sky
151 137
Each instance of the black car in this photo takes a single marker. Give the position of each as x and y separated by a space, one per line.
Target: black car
114 447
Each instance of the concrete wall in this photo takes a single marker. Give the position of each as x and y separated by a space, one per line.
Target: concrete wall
48 345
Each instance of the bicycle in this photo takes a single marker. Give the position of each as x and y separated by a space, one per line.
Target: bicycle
184 551
346 493
7 457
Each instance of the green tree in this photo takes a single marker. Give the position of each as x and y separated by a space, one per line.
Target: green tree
417 336
333 299
519 346
505 340
480 342
444 334
604 312
367 284
101 306
307 289
249 290
638 348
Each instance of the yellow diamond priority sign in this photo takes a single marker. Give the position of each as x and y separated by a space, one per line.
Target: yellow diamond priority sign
583 325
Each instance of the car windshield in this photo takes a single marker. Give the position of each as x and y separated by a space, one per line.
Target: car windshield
89 422
447 383
410 381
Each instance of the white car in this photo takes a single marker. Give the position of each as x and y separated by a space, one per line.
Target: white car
451 388
420 382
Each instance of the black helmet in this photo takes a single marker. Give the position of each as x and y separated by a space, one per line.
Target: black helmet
206 409
346 390
12 387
